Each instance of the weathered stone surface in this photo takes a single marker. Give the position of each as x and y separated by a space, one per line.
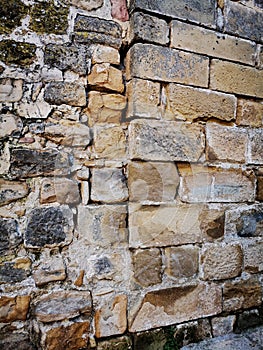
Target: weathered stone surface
163 225
223 325
119 10
148 28
221 261
253 257
87 5
14 308
175 305
187 103
11 191
10 124
14 271
12 12
61 190
73 337
49 226
255 154
107 77
155 182
147 266
196 39
85 191
186 9
236 78
105 54
248 319
90 38
18 53
108 186
119 343
65 57
165 141
249 113
226 143
165 64
49 271
182 261
212 223
73 94
11 90
38 109
60 305
10 236
209 184
154 339
110 142
18 341
259 188
241 295
110 316
29 163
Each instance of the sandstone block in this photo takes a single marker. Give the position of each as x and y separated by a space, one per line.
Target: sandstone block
235 78
110 142
14 308
212 223
152 62
165 141
72 94
60 305
62 190
11 90
10 125
249 113
10 236
118 343
50 271
87 5
11 191
11 15
260 188
14 271
104 76
255 154
176 305
154 182
223 325
221 261
253 257
105 54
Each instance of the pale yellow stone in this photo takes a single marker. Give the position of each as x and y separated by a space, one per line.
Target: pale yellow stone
105 54
249 113
110 142
105 76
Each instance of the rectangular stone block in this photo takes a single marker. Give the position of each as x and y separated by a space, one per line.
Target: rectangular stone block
105 76
249 113
11 191
255 149
165 64
235 78
165 141
204 41
182 261
72 94
11 90
253 257
14 308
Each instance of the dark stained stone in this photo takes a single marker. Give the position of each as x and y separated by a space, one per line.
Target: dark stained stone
119 343
18 341
11 14
18 53
250 223
11 191
10 237
73 94
103 265
14 271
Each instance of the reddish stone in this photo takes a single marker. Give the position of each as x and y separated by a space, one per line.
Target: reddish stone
119 10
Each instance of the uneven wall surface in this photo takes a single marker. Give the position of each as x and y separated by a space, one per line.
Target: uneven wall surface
131 172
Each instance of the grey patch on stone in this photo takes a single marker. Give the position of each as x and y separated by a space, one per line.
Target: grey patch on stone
250 223
72 94
10 237
10 274
17 341
103 265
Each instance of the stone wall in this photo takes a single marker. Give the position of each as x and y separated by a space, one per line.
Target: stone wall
131 170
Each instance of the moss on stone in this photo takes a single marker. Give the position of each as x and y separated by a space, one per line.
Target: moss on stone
11 14
13 52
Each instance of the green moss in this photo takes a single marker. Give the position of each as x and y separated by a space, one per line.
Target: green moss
48 18
12 52
11 14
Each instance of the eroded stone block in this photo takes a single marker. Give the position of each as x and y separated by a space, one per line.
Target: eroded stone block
14 308
11 191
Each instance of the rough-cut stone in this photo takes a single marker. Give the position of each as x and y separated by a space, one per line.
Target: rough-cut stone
259 188
107 77
49 271
253 257
212 223
188 103
60 305
165 141
29 163
247 320
249 113
87 5
11 90
14 271
34 109
110 316
154 339
223 325
11 191
119 10
147 267
49 226
182 261
165 64
226 143
118 343
10 236
148 28
18 341
14 308
236 78
110 142
164 225
73 337
85 191
155 182
221 261
73 94
255 154
241 295
176 305
61 190
196 39
10 125
12 12
18 53
209 184
108 186
105 54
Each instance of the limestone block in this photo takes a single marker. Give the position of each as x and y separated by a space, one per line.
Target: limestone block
34 109
253 257
85 191
11 191
10 125
17 53
110 142
105 54
49 271
60 190
255 153
223 325
249 113
14 308
72 94
105 76
10 236
15 270
11 90
182 261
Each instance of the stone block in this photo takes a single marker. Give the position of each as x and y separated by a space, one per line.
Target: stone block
249 113
72 94
10 237
152 62
182 261
17 53
119 10
221 261
87 5
253 257
118 343
10 124
223 325
61 190
15 270
11 90
14 308
105 54
34 109
236 78
110 142
49 271
11 191
165 141
259 188
255 151
19 341
212 223
12 12
105 76
152 181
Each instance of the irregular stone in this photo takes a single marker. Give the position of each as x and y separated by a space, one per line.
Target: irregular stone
50 271
154 339
249 113
110 316
212 223
182 261
14 271
165 64
11 90
226 143
10 125
18 53
163 225
85 191
110 142
221 261
259 188
248 319
34 109
14 308
72 94
165 141
255 154
61 190
108 186
49 226
119 343
4 159
155 182
11 191
60 305
147 267
105 76
253 257
29 163
12 12
73 337
119 10
105 54
10 236
223 325
176 305
18 341
87 5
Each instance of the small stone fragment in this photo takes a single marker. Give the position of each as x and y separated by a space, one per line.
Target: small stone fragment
253 257
255 154
15 271
18 341
10 125
223 325
105 54
61 190
18 53
118 343
212 224
50 271
249 113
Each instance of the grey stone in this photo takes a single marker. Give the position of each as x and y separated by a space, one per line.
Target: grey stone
18 341
11 191
87 5
51 270
11 90
72 94
248 319
14 271
10 237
